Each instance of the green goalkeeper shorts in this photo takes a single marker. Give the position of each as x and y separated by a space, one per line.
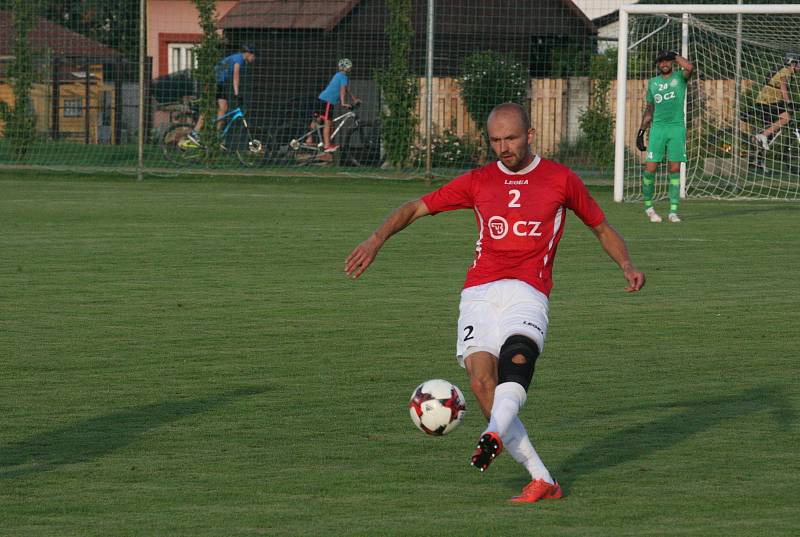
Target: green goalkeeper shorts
669 139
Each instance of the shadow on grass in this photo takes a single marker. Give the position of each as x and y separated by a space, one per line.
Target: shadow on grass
95 437
748 211
691 417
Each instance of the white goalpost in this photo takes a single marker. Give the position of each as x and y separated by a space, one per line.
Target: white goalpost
737 49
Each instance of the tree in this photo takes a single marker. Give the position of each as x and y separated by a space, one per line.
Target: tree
398 86
112 23
208 54
19 119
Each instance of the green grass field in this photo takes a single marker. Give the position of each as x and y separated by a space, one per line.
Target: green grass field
184 357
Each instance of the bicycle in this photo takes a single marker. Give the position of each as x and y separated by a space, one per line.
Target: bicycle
233 135
782 153
359 145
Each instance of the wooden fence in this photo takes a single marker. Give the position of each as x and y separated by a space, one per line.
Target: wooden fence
548 99
556 104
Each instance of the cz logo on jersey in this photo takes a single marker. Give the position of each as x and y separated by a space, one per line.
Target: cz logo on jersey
499 227
666 97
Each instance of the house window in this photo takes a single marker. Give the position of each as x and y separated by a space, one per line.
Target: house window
181 56
73 107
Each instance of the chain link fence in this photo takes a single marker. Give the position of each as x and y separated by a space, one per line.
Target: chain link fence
91 84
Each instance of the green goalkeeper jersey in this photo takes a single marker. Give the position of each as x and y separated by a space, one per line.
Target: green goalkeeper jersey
667 96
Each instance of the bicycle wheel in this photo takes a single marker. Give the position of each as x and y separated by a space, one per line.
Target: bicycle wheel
260 150
252 154
362 147
273 152
177 148
282 155
247 148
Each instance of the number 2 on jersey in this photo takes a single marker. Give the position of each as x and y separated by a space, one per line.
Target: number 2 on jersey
515 194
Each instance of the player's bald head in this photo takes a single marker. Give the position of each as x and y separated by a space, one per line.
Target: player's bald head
510 135
509 112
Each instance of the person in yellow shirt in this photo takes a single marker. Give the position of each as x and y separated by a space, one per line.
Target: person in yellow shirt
773 101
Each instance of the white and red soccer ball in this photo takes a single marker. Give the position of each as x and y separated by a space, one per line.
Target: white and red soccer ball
437 407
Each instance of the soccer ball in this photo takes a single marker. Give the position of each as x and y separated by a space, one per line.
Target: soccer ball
437 407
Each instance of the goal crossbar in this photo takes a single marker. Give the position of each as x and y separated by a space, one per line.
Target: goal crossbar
710 9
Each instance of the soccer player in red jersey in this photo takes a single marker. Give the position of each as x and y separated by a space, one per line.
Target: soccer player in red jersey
520 203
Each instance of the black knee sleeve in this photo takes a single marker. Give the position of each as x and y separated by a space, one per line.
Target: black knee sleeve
507 370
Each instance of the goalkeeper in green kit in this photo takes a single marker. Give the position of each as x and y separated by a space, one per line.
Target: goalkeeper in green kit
666 94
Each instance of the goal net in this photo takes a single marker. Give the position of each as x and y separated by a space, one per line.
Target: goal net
742 137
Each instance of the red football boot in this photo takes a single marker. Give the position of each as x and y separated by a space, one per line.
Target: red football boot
538 489
489 447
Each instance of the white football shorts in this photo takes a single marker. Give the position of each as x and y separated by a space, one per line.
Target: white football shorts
491 313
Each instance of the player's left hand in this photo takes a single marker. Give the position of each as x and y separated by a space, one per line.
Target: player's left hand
671 55
362 256
635 278
640 145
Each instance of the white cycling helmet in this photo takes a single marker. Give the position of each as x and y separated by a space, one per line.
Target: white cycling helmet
345 63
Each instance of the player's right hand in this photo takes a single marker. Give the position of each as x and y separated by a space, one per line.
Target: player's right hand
635 278
362 256
640 145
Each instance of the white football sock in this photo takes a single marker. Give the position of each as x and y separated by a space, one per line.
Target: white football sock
508 399
520 448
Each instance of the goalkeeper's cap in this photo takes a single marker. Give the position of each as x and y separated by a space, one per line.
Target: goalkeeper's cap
791 57
663 55
248 47
345 63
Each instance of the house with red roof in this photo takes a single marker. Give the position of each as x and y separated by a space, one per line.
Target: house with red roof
73 100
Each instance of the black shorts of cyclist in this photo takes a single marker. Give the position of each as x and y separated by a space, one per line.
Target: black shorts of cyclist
771 111
323 110
221 91
225 91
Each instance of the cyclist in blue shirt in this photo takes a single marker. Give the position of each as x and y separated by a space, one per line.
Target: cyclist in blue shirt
228 77
336 92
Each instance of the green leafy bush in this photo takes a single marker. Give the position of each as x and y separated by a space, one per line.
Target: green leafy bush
448 150
597 121
490 78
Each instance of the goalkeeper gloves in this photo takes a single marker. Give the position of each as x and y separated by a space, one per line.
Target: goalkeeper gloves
640 145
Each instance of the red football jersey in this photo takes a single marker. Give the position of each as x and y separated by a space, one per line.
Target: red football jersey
520 217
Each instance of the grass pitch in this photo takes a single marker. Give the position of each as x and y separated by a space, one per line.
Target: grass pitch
186 357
